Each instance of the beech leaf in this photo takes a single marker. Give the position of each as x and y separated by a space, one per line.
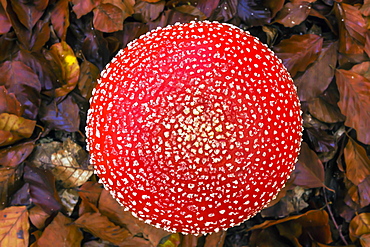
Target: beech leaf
354 90
14 226
299 51
18 128
60 18
61 230
101 227
9 103
359 226
69 66
357 161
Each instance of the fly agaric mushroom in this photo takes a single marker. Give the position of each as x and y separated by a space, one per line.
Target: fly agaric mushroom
194 127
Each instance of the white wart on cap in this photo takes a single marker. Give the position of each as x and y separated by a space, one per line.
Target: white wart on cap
194 127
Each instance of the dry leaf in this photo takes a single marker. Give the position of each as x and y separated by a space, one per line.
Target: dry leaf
9 103
14 128
68 64
14 227
299 51
38 216
101 227
354 102
359 226
60 232
293 13
357 162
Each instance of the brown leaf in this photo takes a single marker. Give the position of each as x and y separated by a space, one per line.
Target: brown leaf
357 161
352 28
293 13
364 192
83 7
309 171
359 226
11 170
22 81
108 18
215 239
148 11
274 5
87 80
207 7
61 233
110 207
38 217
324 111
90 194
18 128
70 165
69 66
226 10
318 76
9 103
60 18
69 199
299 51
4 20
354 101
101 227
62 115
29 14
14 226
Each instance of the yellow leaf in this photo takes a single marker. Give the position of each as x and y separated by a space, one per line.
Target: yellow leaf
14 226
69 66
14 128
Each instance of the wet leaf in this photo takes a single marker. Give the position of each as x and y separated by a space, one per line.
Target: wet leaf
101 227
42 188
9 103
148 11
14 128
352 28
60 231
359 226
311 84
354 101
357 162
274 5
68 65
299 51
309 171
22 81
14 226
60 18
62 115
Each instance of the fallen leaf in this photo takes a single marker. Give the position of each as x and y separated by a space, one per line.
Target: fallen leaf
309 171
359 226
38 217
253 13
87 80
215 239
108 18
83 7
357 162
69 66
293 13
60 232
4 20
324 111
22 81
318 76
14 226
9 103
354 90
60 18
299 51
14 128
101 227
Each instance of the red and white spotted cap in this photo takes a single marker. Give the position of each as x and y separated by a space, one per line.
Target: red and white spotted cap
194 127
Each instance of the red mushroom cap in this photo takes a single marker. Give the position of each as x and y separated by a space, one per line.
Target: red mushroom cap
194 127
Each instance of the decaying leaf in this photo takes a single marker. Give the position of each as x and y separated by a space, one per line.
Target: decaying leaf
9 103
14 226
87 80
299 51
101 227
293 13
